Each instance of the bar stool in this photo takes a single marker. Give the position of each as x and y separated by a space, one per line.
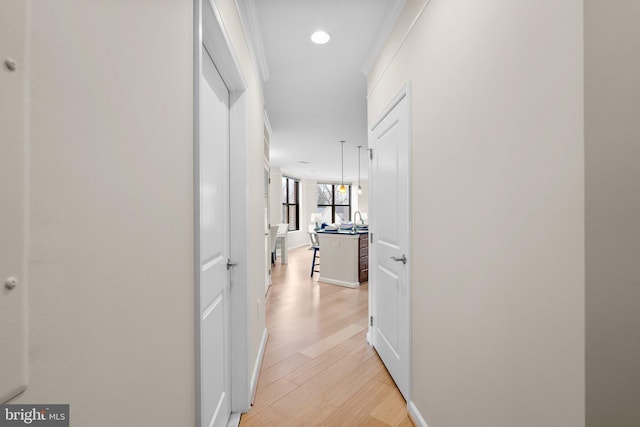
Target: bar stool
316 248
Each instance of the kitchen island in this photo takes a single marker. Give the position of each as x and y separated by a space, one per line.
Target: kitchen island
344 257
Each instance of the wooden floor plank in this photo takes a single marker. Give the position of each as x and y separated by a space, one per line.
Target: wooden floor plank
272 392
328 360
391 410
370 421
313 413
318 369
263 416
357 409
350 384
325 344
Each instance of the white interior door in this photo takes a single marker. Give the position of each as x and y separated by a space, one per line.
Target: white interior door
389 222
215 365
267 233
13 332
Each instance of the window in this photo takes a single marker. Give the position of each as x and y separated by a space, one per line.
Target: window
291 202
334 205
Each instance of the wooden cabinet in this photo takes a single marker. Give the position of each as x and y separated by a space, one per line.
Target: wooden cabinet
363 258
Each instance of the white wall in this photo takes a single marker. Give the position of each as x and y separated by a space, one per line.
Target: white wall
360 201
111 297
498 208
612 106
111 292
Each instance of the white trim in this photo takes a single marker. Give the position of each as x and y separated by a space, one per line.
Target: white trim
397 49
409 225
258 365
339 282
197 75
267 124
214 37
234 420
406 88
251 25
383 34
415 415
239 226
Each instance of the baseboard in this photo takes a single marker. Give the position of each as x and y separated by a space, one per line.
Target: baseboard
339 282
234 420
258 365
416 416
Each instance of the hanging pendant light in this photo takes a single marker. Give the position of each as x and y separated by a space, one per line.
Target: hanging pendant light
342 188
359 187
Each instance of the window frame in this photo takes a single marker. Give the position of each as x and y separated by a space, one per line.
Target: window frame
286 205
333 205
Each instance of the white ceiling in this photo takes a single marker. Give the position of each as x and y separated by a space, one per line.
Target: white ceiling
315 95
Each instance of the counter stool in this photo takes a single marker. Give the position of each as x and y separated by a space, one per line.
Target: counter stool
316 247
313 263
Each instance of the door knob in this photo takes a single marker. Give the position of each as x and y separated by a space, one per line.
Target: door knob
10 283
402 259
231 265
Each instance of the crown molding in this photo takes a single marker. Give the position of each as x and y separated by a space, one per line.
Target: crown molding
383 34
251 26
267 123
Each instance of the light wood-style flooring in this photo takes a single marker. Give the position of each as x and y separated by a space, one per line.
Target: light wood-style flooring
318 369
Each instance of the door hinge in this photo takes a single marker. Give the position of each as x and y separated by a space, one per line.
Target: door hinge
370 153
370 237
370 320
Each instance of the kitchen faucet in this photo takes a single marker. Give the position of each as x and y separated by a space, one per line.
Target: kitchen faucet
354 220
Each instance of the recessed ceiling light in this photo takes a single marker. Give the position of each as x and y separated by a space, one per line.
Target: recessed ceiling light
320 37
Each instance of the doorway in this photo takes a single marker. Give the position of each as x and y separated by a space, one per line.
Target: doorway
214 241
390 245
221 309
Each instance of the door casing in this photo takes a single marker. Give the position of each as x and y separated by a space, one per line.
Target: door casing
210 31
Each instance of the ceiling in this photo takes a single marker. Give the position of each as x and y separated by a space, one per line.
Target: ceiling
315 95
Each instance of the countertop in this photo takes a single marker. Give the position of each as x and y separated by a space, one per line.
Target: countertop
347 232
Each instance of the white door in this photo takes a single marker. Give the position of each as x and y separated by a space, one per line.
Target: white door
214 286
13 332
389 222
267 251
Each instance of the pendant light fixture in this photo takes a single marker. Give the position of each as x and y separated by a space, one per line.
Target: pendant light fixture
359 187
342 188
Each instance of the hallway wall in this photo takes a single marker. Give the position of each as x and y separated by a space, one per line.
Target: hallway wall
498 203
110 257
111 286
612 103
